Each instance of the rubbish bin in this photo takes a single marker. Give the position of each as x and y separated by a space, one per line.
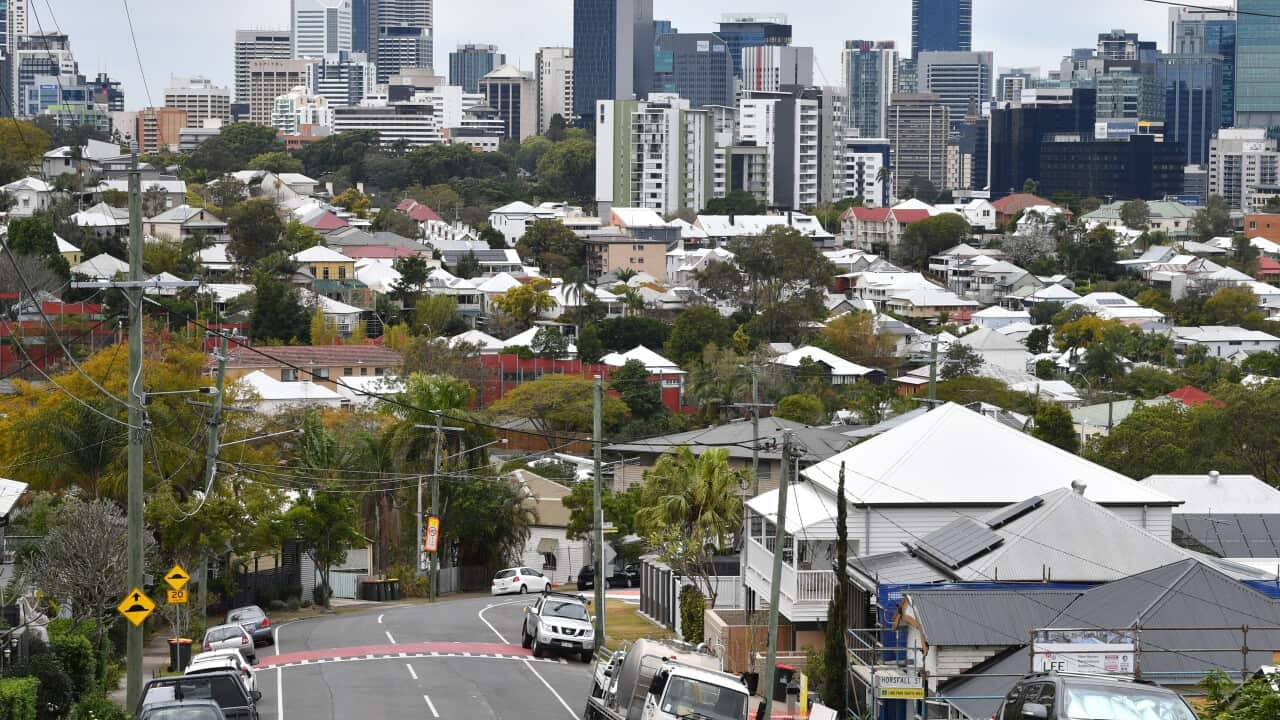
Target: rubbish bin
782 681
179 654
369 590
393 588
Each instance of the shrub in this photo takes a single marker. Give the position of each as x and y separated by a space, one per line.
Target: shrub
306 602
692 608
96 707
55 694
78 659
277 605
18 698
294 604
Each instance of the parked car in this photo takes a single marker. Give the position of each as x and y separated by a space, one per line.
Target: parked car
559 623
519 580
255 620
226 661
189 710
626 577
230 637
224 688
1060 696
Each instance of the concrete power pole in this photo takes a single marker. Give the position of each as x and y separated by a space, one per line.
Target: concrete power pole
775 581
598 510
137 430
755 432
211 465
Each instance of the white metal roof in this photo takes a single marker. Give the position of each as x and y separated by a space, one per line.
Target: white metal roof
1225 494
64 246
653 362
320 253
268 388
484 340
995 311
379 277
839 366
10 491
808 511
956 456
100 267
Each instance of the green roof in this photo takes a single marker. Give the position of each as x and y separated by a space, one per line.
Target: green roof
1160 210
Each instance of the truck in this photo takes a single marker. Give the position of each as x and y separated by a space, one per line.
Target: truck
664 680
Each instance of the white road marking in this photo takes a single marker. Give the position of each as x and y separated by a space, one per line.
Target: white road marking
275 639
279 693
379 619
431 705
393 640
527 664
412 674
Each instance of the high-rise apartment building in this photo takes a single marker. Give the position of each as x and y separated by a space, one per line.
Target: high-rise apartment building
268 80
1195 31
700 69
866 171
869 70
1121 45
1240 161
1193 101
1011 81
45 73
106 92
471 62
514 95
941 25
741 31
613 49
199 98
258 45
342 80
363 30
405 36
1257 58
297 110
768 68
157 129
1132 93
554 75
960 79
918 131
320 27
413 124
653 154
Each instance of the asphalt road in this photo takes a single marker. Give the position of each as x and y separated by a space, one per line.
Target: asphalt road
453 659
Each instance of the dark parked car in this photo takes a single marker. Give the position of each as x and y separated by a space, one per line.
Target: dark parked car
255 620
225 689
626 577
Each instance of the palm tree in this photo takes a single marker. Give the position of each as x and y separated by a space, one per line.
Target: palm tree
625 274
633 301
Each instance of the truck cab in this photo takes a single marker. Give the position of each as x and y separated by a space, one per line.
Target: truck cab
664 680
679 691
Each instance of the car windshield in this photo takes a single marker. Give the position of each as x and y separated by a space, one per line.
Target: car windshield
225 633
695 700
505 574
566 609
1100 703
191 712
245 614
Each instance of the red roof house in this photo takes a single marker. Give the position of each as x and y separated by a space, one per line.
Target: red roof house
1192 396
416 211
1010 205
1268 269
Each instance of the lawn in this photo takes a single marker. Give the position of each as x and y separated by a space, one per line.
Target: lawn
623 622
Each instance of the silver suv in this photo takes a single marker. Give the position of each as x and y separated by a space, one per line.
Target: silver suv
559 623
1063 696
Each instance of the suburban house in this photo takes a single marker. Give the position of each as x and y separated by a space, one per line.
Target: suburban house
736 437
68 160
325 264
1225 342
661 370
1054 293
513 219
610 249
1003 357
1011 206
549 548
834 368
880 230
270 396
103 220
1171 218
720 229
30 195
101 267
320 363
171 192
1236 517
1114 306
184 222
996 317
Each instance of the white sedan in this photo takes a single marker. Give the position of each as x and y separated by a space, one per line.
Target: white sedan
519 580
229 660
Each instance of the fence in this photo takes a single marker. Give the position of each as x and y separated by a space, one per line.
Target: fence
467 578
346 583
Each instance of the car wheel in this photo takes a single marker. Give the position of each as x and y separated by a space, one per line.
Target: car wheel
524 589
536 647
586 656
525 640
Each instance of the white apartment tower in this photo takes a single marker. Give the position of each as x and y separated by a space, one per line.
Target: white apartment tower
1241 160
320 27
258 45
554 76
665 165
768 68
200 98
297 109
402 33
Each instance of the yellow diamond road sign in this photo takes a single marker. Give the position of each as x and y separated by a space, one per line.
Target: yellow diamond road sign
177 578
136 606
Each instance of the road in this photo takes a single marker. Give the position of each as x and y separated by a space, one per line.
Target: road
453 659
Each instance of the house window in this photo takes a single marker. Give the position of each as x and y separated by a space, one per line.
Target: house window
548 561
321 372
288 375
326 273
342 273
379 371
364 372
346 372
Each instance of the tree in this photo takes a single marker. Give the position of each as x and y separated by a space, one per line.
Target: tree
225 192
735 202
1054 425
255 230
1086 331
354 201
1094 253
694 329
1257 699
1042 312
802 408
1212 220
623 334
642 396
1244 253
523 304
558 406
231 149
33 237
553 246
692 507
276 162
323 521
278 314
835 656
391 220
324 330
1233 306
432 314
1153 440
299 237
441 198
854 337
549 343
1038 341
1136 214
468 266
590 348
931 236
960 360
21 145
784 280
567 170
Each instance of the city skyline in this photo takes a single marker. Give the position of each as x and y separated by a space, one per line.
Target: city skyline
1014 30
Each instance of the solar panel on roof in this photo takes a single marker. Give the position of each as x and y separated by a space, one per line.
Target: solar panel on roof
959 542
1014 512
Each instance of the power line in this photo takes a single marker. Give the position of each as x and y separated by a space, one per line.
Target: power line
1211 8
137 53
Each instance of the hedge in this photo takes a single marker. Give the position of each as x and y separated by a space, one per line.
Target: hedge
18 698
692 608
78 659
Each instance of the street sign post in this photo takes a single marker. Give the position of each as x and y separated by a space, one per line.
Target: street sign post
177 578
136 607
899 687
431 540
177 597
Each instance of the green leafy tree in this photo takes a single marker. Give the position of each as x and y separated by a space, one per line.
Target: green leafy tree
21 145
801 408
735 202
390 220
1212 220
550 343
433 314
1094 253
468 266
642 396
1257 699
255 230
1054 425
441 198
1233 306
553 246
231 149
1038 341
590 348
323 520
525 303
413 276
834 678
931 236
694 329
1152 440
278 314
354 201
567 170
1136 214
558 406
960 360
276 162
1042 312
623 334
224 193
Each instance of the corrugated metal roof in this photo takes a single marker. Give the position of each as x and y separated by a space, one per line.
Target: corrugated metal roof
895 567
1230 536
988 617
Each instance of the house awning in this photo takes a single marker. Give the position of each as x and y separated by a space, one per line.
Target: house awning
547 545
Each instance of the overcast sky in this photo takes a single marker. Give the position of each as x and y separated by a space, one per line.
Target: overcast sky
185 37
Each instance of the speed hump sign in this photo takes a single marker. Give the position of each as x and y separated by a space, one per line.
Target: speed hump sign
431 538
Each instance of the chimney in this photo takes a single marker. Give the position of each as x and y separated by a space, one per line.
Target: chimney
1078 487
1213 477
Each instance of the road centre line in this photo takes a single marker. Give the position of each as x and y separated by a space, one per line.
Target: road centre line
412 673
527 664
431 705
393 640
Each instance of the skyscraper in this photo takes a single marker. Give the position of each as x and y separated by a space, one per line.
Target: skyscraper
342 80
404 35
959 79
613 48
515 96
767 68
701 70
744 31
554 75
258 45
472 61
918 132
320 26
1193 105
199 98
868 69
1194 31
1257 57
945 25
361 22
